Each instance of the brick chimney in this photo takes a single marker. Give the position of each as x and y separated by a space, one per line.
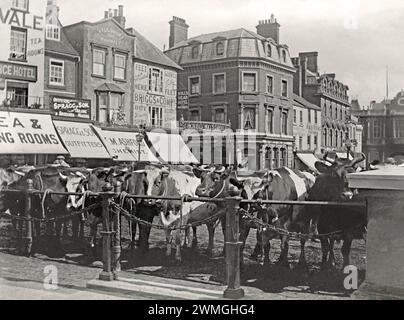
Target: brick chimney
178 31
311 58
117 15
269 28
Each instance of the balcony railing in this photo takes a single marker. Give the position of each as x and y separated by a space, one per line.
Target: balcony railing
23 101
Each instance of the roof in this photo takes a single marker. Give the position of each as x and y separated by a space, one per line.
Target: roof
302 102
237 43
110 87
63 46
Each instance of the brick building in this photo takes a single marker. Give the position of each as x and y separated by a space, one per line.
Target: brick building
241 79
383 128
128 80
326 92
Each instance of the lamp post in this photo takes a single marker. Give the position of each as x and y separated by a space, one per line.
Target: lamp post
348 146
139 139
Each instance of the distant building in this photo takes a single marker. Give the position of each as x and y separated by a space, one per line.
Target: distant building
325 91
241 80
129 81
383 128
22 38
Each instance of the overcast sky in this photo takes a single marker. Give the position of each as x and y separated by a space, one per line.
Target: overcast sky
356 39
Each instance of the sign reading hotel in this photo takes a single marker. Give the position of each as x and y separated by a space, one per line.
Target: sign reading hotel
145 100
17 71
80 140
183 99
67 107
28 133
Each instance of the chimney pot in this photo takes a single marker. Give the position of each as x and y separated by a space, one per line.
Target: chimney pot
120 9
115 12
105 14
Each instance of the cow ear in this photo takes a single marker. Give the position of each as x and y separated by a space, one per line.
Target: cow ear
321 167
197 172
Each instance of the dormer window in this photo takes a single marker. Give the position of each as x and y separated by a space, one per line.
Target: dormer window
195 52
284 55
269 50
219 49
52 32
20 4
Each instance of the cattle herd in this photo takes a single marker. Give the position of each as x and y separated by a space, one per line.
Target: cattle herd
328 223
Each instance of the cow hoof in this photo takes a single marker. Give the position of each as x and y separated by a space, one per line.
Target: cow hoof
267 262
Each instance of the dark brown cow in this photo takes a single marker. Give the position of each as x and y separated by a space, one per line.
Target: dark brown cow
332 185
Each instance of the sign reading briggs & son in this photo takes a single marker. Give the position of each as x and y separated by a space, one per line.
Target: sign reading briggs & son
69 107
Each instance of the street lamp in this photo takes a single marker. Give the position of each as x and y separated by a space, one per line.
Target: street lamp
139 139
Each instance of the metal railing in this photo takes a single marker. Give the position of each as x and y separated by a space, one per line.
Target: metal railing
23 101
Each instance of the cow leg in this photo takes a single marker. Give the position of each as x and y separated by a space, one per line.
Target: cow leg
302 258
194 238
75 227
133 226
211 232
144 233
258 246
265 242
345 250
168 242
283 258
325 248
177 239
331 253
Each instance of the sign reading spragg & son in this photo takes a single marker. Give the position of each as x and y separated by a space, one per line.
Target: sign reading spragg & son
67 107
28 133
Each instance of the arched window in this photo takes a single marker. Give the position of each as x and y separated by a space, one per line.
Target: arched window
275 159
282 157
268 158
331 138
219 49
195 52
284 55
325 137
336 138
269 50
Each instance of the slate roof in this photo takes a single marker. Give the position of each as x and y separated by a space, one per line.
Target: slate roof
238 43
62 46
302 102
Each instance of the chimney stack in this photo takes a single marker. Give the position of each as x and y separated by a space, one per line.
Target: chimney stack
120 10
178 31
105 14
311 58
115 12
117 15
110 13
269 28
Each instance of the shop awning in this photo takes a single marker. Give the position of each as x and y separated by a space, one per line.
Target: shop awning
28 133
122 146
308 159
80 140
169 148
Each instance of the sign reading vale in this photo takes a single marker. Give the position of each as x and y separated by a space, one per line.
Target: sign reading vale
21 19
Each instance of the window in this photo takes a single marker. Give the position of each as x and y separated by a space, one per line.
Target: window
336 113
325 137
249 118
18 44
155 80
300 143
102 107
294 116
284 88
282 158
56 72
399 128
315 141
342 138
284 55
308 142
377 129
270 121
219 83
195 85
116 101
331 136
249 82
220 115
20 4
341 114
301 116
275 158
268 158
52 32
194 115
309 115
219 49
99 62
120 66
195 52
156 116
315 117
270 84
284 122
269 50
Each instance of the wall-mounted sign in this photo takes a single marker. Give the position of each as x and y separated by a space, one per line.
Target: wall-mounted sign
21 19
199 125
17 71
28 133
182 99
68 107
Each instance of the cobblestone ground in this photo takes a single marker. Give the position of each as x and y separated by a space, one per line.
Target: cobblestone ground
76 268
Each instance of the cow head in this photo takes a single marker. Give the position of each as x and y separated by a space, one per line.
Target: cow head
332 184
98 178
214 181
75 182
137 183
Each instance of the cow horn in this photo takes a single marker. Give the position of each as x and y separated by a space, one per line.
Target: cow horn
139 171
19 173
357 160
326 159
62 176
221 170
80 174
